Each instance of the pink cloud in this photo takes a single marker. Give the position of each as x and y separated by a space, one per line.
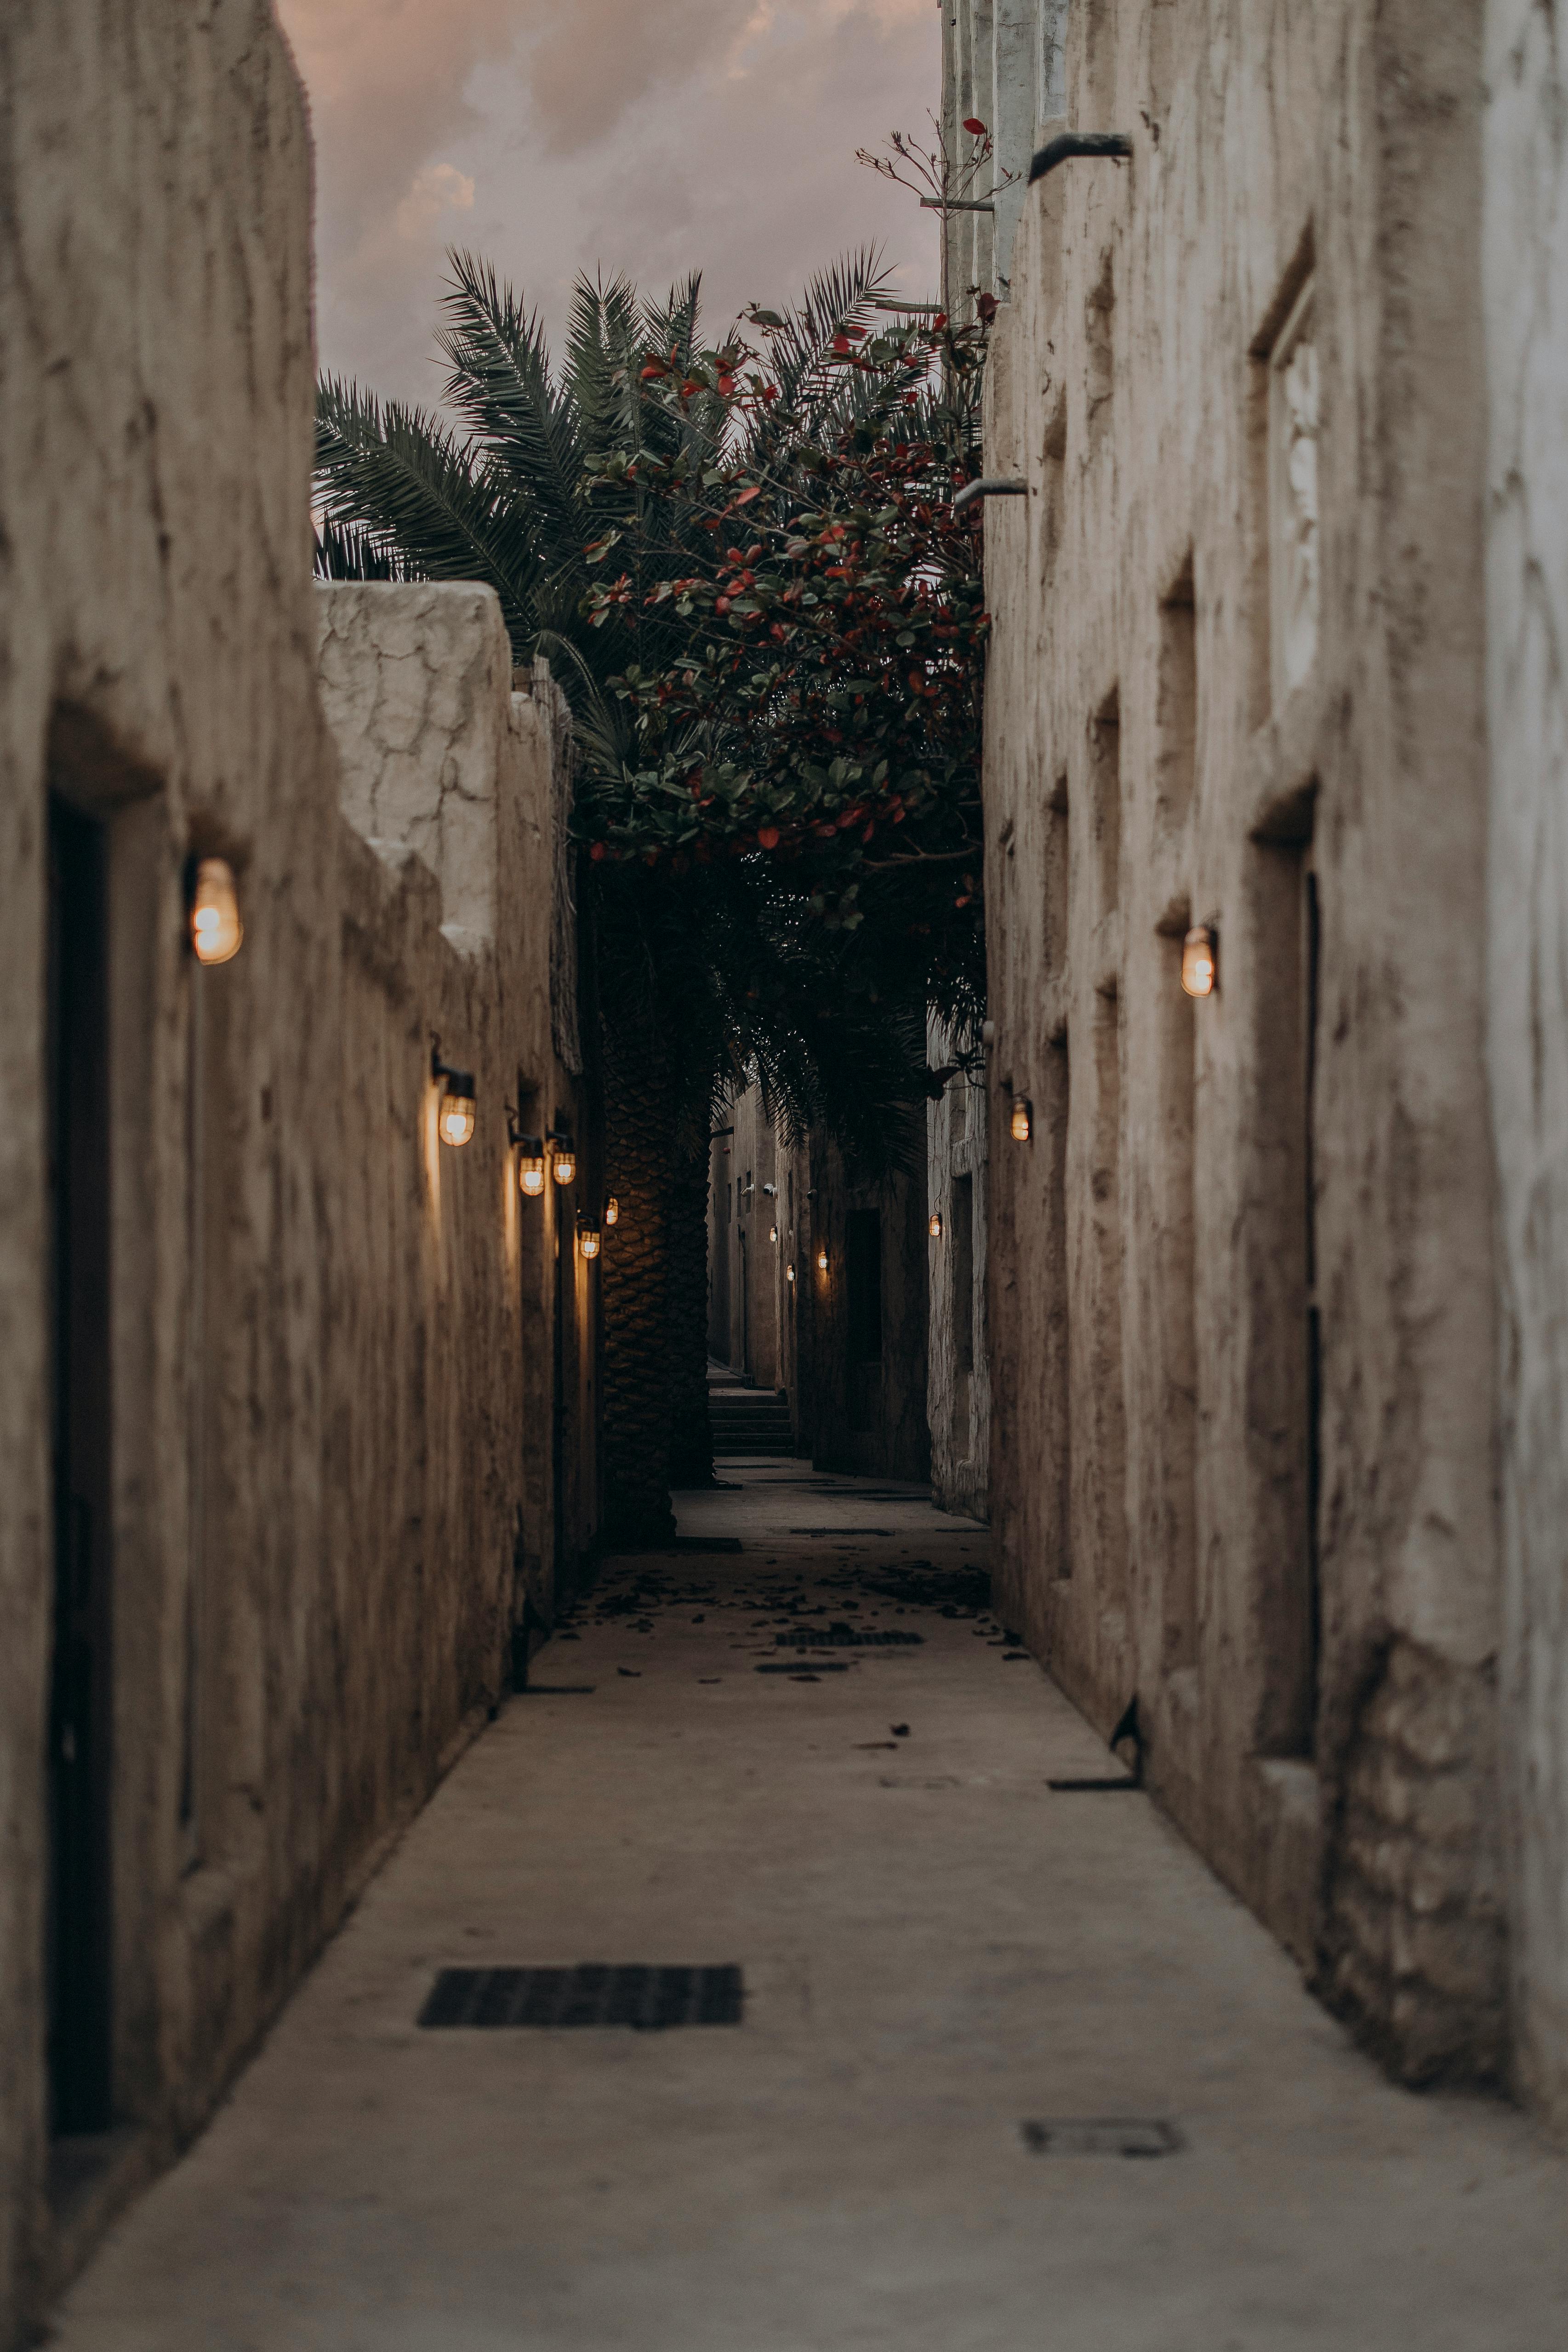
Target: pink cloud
653 136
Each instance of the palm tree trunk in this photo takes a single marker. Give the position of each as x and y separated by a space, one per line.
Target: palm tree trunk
691 1431
639 1139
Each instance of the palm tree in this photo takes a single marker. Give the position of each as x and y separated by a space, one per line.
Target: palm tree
553 474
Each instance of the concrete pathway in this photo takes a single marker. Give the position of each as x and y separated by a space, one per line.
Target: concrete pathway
938 1951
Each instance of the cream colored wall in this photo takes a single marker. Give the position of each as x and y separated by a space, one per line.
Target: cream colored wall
350 1371
1148 1273
1525 259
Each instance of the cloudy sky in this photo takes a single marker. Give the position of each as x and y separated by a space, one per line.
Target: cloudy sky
650 136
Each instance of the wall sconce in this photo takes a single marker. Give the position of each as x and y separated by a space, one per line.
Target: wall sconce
788 1274
565 1167
216 931
773 1235
530 1151
456 1115
770 1191
1199 953
1022 1120
822 1259
935 1227
612 1210
586 1238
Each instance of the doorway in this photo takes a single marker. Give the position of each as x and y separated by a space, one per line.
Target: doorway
77 1929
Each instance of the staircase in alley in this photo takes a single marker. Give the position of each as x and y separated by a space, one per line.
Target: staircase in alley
747 1420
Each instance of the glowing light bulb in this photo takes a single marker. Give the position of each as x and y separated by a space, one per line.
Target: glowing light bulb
457 1111
788 1274
773 1234
530 1165
1198 972
216 931
935 1227
821 1260
1022 1120
565 1166
612 1210
588 1240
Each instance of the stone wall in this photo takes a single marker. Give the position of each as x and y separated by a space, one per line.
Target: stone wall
1003 63
305 1374
1240 1286
958 1383
1526 281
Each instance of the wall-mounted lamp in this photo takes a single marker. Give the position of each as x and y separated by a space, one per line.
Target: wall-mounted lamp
1022 1120
822 1259
1199 960
216 931
565 1162
586 1238
788 1274
612 1210
770 1191
773 1235
530 1151
935 1227
455 1116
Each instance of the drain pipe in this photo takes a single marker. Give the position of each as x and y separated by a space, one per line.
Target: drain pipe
997 485
1061 149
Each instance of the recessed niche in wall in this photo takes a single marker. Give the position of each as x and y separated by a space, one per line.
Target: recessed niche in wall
1056 869
1293 555
1100 355
1105 798
1176 711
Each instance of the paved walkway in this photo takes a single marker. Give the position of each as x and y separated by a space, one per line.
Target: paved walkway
938 1951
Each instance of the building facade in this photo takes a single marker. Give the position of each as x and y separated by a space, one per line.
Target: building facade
818 1288
281 1466
1276 1276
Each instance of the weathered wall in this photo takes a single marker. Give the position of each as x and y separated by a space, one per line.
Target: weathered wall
750 1197
1526 281
1236 680
1004 64
958 1385
320 1437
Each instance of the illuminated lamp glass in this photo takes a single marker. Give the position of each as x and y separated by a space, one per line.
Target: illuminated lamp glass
216 931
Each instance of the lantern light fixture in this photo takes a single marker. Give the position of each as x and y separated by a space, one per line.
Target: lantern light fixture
935 1227
530 1151
455 1116
612 1210
822 1259
564 1169
773 1235
1199 960
586 1237
788 1274
216 931
1022 1119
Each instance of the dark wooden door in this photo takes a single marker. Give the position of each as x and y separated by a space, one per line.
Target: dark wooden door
80 1722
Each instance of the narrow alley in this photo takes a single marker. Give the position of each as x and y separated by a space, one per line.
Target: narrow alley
1011 2067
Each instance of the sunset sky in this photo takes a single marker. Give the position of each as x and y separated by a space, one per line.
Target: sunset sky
650 136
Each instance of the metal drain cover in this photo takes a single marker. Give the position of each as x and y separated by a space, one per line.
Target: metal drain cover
1103 2136
647 1999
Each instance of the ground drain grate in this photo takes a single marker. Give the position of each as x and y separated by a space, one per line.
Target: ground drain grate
1103 2136
841 1532
647 1999
1110 1786
817 1666
851 1637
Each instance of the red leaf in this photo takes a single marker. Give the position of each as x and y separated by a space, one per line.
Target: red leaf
745 497
973 123
767 836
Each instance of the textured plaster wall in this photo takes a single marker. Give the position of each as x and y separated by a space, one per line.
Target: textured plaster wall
321 1432
1152 761
1526 280
959 1392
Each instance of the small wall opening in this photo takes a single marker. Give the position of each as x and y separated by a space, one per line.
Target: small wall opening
1100 356
1105 755
1287 914
1100 1464
962 1261
862 1314
78 1931
1058 1499
1176 711
1057 873
1176 1538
